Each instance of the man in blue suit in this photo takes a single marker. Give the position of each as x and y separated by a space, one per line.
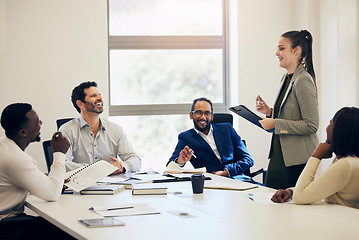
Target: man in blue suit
214 146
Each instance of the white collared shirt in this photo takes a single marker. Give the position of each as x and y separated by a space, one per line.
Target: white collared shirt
210 140
85 148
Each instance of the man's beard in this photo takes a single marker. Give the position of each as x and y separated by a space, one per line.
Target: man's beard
37 138
201 129
92 108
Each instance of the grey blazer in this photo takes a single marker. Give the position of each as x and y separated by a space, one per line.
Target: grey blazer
298 118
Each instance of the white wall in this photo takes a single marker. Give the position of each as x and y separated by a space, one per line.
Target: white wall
260 25
334 25
48 47
339 54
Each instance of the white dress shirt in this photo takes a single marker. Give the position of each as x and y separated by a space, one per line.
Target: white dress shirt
210 140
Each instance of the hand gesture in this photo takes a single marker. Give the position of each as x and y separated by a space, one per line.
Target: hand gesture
59 143
262 107
117 163
185 155
282 195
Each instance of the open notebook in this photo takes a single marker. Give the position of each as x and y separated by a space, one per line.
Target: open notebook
88 175
172 167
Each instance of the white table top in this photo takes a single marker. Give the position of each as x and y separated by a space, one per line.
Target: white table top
224 214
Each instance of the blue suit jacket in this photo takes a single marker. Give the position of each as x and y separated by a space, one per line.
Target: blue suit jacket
234 154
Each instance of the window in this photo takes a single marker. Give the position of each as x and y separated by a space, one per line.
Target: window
162 55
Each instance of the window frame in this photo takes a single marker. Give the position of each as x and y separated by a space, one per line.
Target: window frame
170 42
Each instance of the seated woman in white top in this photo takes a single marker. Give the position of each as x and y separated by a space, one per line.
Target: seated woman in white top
339 183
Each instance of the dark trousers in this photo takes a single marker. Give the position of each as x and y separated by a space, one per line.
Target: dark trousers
29 227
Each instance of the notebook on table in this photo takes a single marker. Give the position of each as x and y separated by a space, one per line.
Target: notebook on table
102 190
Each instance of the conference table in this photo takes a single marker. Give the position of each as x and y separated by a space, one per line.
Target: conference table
215 214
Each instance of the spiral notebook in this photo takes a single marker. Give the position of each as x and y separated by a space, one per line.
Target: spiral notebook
88 175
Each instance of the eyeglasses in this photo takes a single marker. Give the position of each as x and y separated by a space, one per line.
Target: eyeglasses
199 113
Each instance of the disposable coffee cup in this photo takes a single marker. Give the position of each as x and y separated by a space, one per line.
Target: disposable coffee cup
197 183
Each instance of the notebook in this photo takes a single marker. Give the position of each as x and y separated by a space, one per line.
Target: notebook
149 189
88 175
102 190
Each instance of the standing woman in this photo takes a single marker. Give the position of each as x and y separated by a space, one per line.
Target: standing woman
295 116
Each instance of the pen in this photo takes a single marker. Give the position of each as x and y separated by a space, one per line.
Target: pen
250 196
194 155
118 208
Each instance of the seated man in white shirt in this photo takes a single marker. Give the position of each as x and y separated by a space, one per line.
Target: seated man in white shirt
19 175
93 138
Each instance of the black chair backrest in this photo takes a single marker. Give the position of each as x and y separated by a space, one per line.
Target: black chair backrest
61 121
48 153
222 118
228 118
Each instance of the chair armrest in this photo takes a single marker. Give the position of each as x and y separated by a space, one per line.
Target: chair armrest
253 174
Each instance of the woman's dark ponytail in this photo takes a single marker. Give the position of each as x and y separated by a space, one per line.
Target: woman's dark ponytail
303 39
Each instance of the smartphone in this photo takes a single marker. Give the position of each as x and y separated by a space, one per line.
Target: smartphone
101 222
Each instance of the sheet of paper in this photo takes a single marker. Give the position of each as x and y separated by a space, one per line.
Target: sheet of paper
113 179
129 212
264 198
234 185
118 206
125 210
173 167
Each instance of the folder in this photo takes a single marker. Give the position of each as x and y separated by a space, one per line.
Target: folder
250 116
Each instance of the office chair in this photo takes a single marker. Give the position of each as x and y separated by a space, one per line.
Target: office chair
48 153
222 118
61 121
46 145
228 118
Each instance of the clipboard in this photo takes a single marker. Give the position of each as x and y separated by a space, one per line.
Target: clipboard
247 114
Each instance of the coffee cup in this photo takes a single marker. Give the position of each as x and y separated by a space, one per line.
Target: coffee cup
197 183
